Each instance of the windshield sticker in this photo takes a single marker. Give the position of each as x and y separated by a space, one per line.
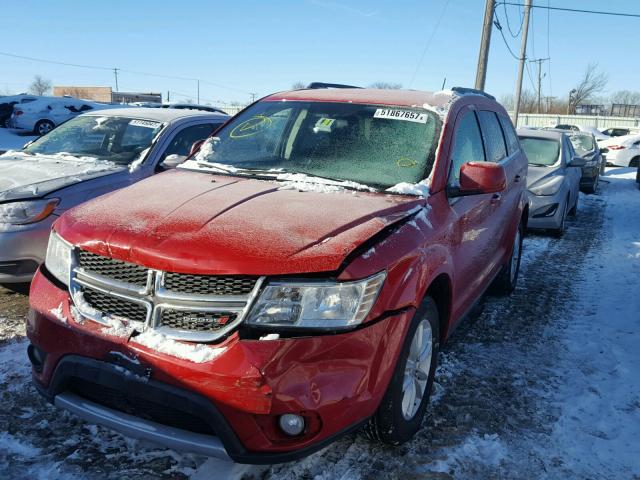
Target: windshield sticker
406 162
324 125
251 127
397 114
145 123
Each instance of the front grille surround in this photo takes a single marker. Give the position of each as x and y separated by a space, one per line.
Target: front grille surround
97 295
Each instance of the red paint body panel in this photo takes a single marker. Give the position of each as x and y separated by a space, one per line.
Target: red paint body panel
252 378
191 222
253 228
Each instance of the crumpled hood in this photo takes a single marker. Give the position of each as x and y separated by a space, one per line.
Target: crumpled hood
540 174
24 176
199 223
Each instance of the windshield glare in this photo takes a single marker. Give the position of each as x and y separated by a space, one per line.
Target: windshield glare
582 143
367 144
118 139
540 151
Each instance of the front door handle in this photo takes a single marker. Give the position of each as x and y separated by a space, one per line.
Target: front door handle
496 197
517 178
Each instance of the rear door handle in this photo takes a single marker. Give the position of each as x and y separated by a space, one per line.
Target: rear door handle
496 198
517 178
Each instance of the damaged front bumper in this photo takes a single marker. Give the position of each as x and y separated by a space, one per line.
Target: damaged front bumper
225 407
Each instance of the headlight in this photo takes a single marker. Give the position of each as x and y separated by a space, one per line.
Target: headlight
326 305
21 213
58 260
547 187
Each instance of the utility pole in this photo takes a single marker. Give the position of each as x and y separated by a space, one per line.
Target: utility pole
168 96
539 62
115 72
485 42
198 91
523 57
253 97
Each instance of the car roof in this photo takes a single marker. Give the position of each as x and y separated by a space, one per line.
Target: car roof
549 134
398 97
157 114
570 132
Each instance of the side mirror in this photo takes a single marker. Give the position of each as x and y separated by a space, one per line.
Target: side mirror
477 178
196 146
172 161
577 162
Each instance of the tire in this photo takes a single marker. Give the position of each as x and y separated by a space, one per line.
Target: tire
506 281
594 186
634 162
574 210
398 418
43 127
558 232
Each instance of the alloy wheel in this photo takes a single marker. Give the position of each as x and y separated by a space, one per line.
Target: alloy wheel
416 371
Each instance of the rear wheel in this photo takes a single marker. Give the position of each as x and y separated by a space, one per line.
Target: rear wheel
43 127
507 279
403 406
594 186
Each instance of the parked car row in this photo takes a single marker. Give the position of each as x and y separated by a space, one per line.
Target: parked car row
293 280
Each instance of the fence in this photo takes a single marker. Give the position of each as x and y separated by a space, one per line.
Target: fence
550 120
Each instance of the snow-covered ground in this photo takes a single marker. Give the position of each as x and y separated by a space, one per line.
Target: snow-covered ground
12 139
543 384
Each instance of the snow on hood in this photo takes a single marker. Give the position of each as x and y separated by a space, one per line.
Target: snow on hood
174 221
29 176
308 183
420 189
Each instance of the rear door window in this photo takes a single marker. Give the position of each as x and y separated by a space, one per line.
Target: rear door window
513 145
183 140
492 135
467 146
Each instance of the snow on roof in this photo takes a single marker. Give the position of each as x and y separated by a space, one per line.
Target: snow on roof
407 98
158 114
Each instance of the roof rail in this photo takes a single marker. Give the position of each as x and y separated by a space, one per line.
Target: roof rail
463 90
314 85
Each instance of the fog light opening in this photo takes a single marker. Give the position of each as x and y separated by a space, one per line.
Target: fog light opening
291 424
37 357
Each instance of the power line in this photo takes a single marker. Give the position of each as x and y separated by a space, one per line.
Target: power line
428 44
55 62
577 10
496 22
116 70
506 16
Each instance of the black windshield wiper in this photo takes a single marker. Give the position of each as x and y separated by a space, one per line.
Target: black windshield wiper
538 164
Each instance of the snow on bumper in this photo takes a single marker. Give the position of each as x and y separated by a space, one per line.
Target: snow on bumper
333 381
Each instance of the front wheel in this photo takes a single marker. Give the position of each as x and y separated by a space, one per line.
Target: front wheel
402 408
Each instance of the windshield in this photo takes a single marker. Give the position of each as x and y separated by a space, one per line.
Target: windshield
540 151
118 139
582 143
367 144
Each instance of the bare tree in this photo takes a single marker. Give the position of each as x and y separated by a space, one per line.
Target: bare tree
626 97
298 85
592 83
386 85
40 85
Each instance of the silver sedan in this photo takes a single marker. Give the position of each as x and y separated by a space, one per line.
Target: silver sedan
87 156
553 181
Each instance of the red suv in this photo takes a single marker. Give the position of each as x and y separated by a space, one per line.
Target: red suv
289 283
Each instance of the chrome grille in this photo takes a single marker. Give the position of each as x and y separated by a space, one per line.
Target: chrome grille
195 321
208 284
115 269
115 306
190 307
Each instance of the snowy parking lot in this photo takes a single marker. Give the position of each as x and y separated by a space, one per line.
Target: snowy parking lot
542 384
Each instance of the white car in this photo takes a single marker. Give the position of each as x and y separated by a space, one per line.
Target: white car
622 151
42 115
